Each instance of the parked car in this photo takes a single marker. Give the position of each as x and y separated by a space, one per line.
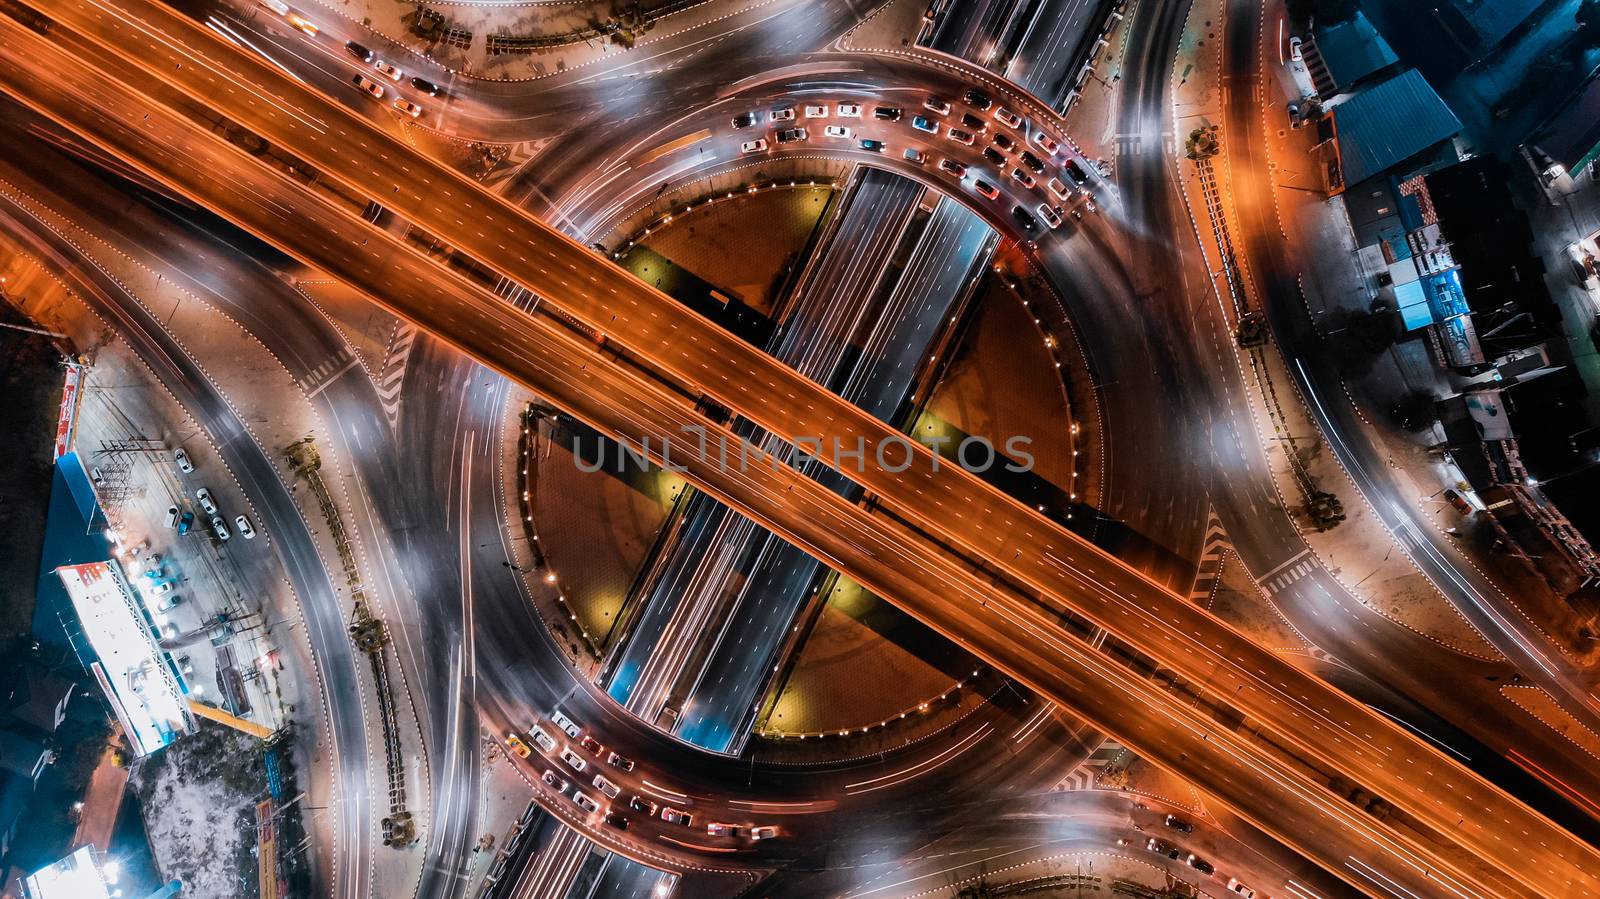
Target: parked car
816 110
172 516
182 458
206 502
246 530
219 527
837 131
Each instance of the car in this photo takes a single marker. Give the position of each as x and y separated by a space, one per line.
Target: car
1023 178
848 110
155 572
605 785
617 820
641 804
567 725
573 760
206 503
219 527
816 110
162 588
388 70
923 123
958 169
972 122
887 113
591 744
1049 215
172 516
408 107
837 131
676 816
871 146
744 120
182 458
1003 141
277 6
937 104
619 761
1088 203
246 530
1032 162
426 86
1241 889
166 603
786 114
554 781
1201 865
1030 225
185 522
1046 143
515 744
1007 118
368 86
1455 499
358 51
305 25
994 156
977 99
1075 173
753 146
914 156
542 738
717 829
1058 190
986 190
585 802
1177 823
765 832
959 136
789 135
169 631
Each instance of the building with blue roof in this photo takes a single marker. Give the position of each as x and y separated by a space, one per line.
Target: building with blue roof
1388 123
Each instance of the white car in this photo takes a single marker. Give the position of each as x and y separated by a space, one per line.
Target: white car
182 458
837 131
1007 118
604 785
848 110
554 781
915 156
1050 216
816 111
220 527
388 70
584 802
165 603
567 725
542 738
766 832
759 145
1045 142
1058 190
408 107
172 516
162 588
368 86
573 760
783 115
245 529
206 502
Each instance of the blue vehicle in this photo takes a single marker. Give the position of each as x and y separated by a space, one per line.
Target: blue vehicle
872 146
921 123
185 523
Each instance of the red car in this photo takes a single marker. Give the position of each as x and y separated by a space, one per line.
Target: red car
591 744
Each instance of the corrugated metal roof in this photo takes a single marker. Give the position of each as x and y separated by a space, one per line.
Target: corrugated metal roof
1389 122
1352 50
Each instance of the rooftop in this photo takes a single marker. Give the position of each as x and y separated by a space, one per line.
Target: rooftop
1390 122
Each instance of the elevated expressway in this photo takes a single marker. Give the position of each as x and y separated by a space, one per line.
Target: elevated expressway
1280 747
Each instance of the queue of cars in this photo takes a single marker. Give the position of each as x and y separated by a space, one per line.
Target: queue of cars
587 766
1164 848
362 82
1063 193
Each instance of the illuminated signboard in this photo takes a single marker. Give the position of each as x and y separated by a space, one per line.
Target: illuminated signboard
139 681
78 876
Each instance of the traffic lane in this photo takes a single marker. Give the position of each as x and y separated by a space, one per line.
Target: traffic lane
562 280
1054 46
324 627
